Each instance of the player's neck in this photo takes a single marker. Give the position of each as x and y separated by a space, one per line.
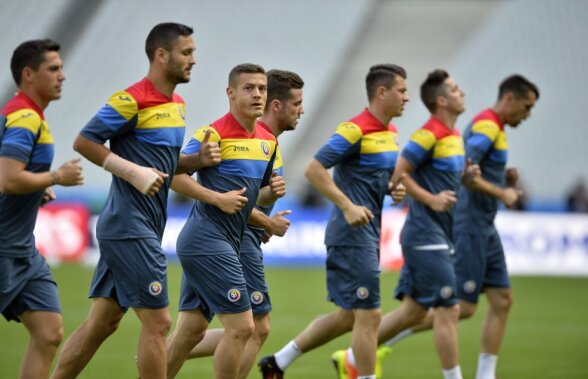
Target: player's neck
500 111
272 123
246 123
161 83
380 115
448 119
34 96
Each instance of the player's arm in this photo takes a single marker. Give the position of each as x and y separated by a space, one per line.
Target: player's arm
276 225
15 180
229 202
319 177
208 155
508 195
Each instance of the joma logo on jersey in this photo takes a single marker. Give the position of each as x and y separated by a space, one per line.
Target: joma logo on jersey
380 142
265 147
159 116
124 98
240 148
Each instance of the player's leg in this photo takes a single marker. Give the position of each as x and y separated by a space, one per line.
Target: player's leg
238 330
102 320
152 351
445 335
207 346
364 340
46 332
260 334
409 315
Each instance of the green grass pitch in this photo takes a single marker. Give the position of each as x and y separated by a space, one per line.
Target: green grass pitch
547 335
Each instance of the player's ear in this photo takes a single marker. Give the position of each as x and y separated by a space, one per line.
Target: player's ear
231 93
27 75
276 105
161 55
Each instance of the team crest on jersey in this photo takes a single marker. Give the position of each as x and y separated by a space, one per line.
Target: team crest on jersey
469 286
446 292
233 295
362 293
256 297
265 147
182 115
155 288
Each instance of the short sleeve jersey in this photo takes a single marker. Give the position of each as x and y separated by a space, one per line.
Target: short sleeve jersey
147 128
436 154
253 232
246 162
486 145
25 138
363 152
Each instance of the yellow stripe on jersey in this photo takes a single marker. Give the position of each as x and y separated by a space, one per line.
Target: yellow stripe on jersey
424 138
488 128
449 146
278 162
379 142
24 118
46 137
201 132
501 142
167 115
124 104
249 149
350 131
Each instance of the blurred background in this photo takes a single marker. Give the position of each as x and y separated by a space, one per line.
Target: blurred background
332 44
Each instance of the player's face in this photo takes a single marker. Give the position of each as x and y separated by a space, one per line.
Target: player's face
396 97
520 108
291 110
249 95
181 60
48 78
454 96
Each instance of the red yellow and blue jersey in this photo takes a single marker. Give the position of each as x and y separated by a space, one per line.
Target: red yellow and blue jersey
145 127
27 139
436 154
485 144
363 152
246 162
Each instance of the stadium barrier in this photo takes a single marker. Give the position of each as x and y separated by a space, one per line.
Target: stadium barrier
535 243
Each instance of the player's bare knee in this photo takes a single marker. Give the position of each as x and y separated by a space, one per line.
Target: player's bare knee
241 331
467 309
503 303
262 330
50 337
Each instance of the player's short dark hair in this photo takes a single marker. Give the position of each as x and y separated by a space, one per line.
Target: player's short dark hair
518 85
30 54
164 35
433 86
244 68
279 84
382 75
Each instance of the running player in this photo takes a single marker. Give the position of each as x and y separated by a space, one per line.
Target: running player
145 126
28 293
209 244
363 151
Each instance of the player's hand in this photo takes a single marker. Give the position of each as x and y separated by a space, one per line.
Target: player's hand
210 152
265 237
157 183
397 189
510 196
511 176
279 224
443 201
48 196
70 173
471 172
277 185
231 202
357 215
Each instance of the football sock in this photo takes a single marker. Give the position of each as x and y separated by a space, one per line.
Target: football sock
486 366
287 355
397 338
452 373
350 357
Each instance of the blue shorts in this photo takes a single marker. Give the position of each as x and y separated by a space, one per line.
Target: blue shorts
353 276
213 284
480 263
132 272
251 258
26 284
428 276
